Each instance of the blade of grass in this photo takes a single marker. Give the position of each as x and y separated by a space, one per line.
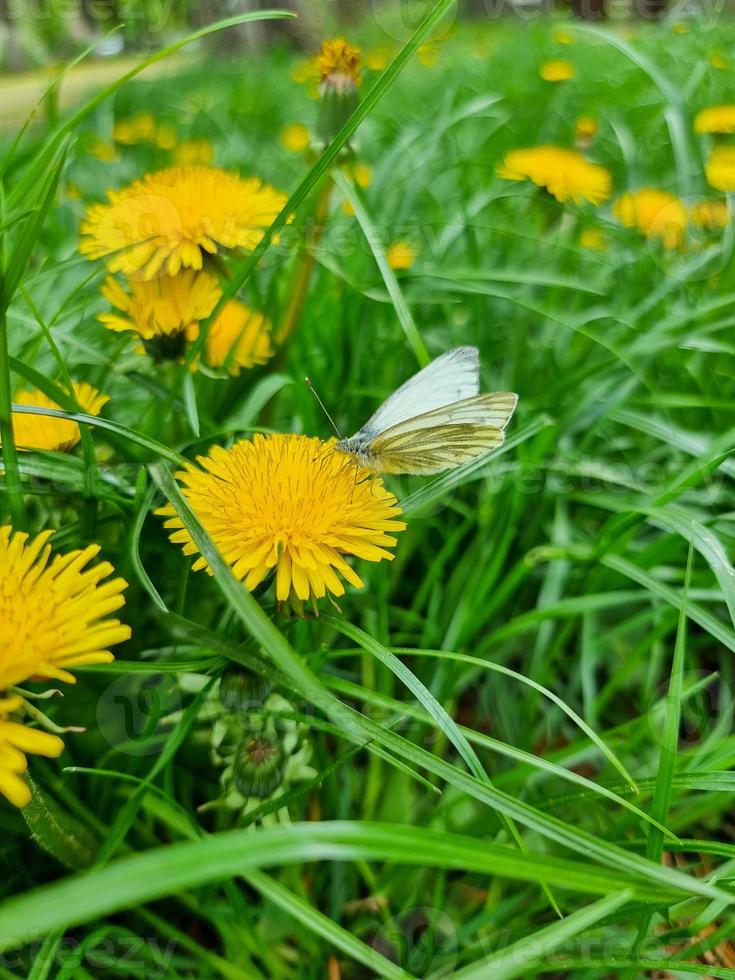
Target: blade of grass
669 740
400 305
520 957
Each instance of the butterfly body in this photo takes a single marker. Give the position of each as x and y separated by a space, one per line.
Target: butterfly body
436 420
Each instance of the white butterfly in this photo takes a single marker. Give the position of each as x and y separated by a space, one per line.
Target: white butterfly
436 420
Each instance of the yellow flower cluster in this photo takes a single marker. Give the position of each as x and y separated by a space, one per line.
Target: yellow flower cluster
54 615
161 233
143 128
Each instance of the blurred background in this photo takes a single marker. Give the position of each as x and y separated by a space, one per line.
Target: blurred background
36 32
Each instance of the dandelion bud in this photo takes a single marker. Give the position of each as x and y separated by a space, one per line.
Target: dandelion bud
259 766
242 690
338 64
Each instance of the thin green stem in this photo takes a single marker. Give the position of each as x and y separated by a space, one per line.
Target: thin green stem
13 483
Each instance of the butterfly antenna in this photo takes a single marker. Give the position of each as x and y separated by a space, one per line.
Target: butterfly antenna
322 406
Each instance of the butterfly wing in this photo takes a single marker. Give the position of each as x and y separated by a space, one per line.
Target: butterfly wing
446 437
453 377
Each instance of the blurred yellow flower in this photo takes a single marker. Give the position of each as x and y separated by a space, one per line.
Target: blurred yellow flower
585 129
238 338
720 168
288 503
136 130
428 54
719 61
655 213
15 741
678 28
102 149
710 214
593 239
338 63
54 615
191 153
164 307
563 37
295 137
376 59
564 173
170 219
557 71
363 174
165 137
715 119
401 255
45 431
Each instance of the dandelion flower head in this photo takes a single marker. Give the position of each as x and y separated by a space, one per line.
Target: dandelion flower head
171 219
288 504
53 612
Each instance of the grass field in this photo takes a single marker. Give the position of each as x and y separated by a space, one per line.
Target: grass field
509 753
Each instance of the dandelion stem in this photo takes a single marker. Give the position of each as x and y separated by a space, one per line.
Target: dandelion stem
305 267
13 484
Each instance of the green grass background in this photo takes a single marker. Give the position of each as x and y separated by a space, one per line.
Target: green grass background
562 618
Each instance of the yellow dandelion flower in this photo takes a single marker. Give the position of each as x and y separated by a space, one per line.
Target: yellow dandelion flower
168 220
428 54
238 338
136 130
401 255
53 616
563 37
362 174
715 119
102 149
720 168
710 214
164 307
338 63
288 503
585 129
295 137
593 239
719 61
191 153
47 432
564 173
655 213
557 71
15 741
165 137
376 59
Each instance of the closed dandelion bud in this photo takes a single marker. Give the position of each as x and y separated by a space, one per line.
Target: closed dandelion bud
338 64
259 766
242 690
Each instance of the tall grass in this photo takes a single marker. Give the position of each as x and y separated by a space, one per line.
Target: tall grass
521 730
